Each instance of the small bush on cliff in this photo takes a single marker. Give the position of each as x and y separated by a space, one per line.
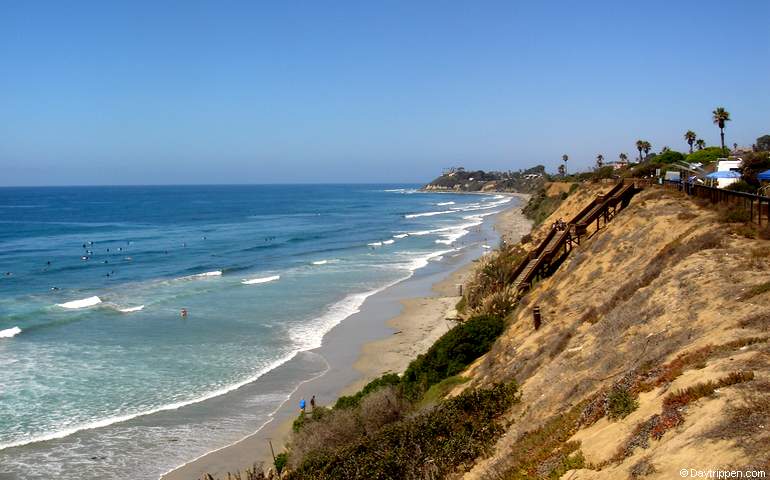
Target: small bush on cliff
620 403
451 353
429 445
343 426
495 273
540 206
353 400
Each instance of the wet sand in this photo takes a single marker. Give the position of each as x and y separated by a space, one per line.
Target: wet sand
404 321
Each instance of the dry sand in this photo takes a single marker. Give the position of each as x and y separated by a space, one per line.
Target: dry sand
421 322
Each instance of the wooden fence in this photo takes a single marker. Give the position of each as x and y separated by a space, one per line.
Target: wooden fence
757 206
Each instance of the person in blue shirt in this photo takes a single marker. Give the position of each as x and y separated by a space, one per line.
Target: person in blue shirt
302 405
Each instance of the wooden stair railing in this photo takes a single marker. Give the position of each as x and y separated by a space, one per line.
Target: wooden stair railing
542 258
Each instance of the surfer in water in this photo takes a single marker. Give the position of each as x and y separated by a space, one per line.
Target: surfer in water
183 313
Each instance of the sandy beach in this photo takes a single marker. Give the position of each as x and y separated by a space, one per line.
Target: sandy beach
423 320
416 324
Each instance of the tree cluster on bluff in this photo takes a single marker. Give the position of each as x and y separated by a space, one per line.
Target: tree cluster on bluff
461 180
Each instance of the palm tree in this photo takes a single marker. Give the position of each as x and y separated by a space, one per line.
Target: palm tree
623 157
647 147
564 159
700 143
599 161
690 137
640 147
720 116
562 170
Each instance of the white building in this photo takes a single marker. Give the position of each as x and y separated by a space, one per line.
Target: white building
732 164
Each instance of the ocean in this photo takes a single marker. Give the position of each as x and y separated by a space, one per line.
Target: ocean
101 376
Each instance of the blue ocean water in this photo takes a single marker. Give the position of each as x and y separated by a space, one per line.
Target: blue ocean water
93 279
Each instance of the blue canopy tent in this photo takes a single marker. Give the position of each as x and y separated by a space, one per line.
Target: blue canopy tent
717 175
764 176
714 177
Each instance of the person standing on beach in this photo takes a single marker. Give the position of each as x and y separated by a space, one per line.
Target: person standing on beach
312 403
302 406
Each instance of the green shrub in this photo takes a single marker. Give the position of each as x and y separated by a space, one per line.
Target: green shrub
429 445
670 156
280 461
742 186
604 172
451 353
540 206
620 403
753 164
353 400
707 155
439 390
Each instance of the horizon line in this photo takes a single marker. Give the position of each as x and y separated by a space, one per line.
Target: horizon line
209 184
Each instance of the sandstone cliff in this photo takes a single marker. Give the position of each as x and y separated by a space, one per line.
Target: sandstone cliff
652 356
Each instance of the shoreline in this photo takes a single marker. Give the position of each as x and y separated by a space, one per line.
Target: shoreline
412 324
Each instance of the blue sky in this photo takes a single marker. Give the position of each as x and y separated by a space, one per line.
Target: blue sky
257 92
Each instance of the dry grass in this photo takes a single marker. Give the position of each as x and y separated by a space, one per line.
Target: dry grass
642 468
759 321
256 472
341 426
489 291
756 290
671 254
672 413
747 423
545 452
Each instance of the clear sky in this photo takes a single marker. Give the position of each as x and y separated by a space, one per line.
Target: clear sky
148 92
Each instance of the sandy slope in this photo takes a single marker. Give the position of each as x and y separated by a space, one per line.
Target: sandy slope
605 315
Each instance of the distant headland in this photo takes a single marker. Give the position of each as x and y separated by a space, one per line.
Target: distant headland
458 179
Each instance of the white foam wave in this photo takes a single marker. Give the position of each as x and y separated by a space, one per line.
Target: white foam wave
479 216
388 242
83 303
375 244
320 262
401 235
486 206
441 204
215 273
10 332
428 214
255 281
172 406
401 190
422 261
131 309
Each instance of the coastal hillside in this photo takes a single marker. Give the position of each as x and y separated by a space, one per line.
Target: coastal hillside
652 355
461 180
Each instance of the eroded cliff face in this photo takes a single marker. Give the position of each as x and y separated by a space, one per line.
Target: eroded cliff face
660 300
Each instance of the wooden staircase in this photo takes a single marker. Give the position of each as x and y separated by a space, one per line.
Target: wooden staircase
557 245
